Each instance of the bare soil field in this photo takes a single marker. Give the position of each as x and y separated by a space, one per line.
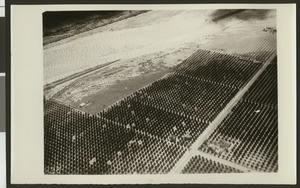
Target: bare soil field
147 47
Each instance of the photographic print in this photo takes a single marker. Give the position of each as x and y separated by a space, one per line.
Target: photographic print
160 91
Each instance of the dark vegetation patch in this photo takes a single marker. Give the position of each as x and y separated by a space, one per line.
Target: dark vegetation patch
64 24
247 14
60 21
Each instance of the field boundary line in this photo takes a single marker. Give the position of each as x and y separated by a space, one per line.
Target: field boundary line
223 161
141 132
206 80
77 75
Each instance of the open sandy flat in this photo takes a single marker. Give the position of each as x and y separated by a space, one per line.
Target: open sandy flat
147 47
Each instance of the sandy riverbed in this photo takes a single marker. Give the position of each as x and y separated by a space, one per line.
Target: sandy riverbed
148 45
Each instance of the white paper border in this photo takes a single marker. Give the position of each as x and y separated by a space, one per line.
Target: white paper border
2 11
2 160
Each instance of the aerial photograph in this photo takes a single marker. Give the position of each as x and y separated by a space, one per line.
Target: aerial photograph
160 91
